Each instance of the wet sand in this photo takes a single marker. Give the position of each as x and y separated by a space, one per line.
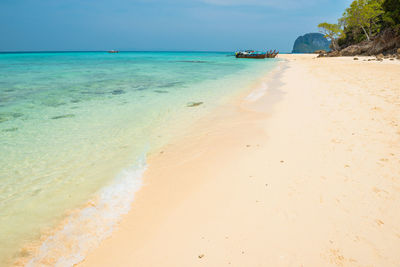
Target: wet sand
304 173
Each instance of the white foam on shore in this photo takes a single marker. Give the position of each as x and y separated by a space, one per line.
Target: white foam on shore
261 90
257 93
84 230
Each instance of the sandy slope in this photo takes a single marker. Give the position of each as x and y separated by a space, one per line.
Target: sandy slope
307 175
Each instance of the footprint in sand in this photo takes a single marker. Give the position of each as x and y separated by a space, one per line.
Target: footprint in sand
376 109
376 190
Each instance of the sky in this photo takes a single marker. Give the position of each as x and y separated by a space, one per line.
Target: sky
160 25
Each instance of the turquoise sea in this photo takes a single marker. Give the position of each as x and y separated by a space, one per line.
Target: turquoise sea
75 129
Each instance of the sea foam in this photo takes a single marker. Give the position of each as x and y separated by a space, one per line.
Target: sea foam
85 229
258 93
67 120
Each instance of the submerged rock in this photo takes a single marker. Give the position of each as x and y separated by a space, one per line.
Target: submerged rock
17 115
3 119
51 102
118 92
10 129
6 116
63 116
192 61
194 104
171 84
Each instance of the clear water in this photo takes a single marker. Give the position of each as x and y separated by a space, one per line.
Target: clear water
73 124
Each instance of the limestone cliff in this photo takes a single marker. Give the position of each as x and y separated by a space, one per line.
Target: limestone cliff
310 42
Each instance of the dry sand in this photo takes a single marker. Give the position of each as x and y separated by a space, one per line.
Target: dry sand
306 175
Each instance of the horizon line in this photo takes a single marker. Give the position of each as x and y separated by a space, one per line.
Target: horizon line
96 51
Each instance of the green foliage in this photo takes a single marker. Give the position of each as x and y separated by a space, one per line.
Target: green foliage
351 36
332 32
364 15
363 20
391 14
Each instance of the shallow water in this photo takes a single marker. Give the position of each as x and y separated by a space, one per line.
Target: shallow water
78 126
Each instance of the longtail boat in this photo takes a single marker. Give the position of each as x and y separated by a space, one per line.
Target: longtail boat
113 51
258 55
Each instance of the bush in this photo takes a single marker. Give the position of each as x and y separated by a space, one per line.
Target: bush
391 17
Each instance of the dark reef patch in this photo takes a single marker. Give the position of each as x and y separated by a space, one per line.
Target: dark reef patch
17 115
171 84
3 118
63 116
118 92
10 129
193 61
53 103
193 104
4 99
161 91
93 93
140 88
9 115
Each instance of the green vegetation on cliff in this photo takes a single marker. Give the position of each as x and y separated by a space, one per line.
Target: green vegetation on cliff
332 32
363 20
391 16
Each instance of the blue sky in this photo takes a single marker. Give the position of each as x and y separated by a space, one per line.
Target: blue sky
197 25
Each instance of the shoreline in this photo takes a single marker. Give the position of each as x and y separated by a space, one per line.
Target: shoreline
75 216
157 186
306 183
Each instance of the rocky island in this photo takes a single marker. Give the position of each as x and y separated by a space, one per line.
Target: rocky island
310 42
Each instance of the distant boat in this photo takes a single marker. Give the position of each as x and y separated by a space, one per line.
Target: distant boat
254 54
113 51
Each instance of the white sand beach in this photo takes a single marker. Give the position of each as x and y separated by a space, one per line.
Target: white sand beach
305 174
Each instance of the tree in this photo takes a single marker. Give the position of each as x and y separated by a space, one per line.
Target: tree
363 20
364 14
392 12
332 32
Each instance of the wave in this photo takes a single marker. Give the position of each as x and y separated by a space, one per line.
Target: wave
258 93
85 229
